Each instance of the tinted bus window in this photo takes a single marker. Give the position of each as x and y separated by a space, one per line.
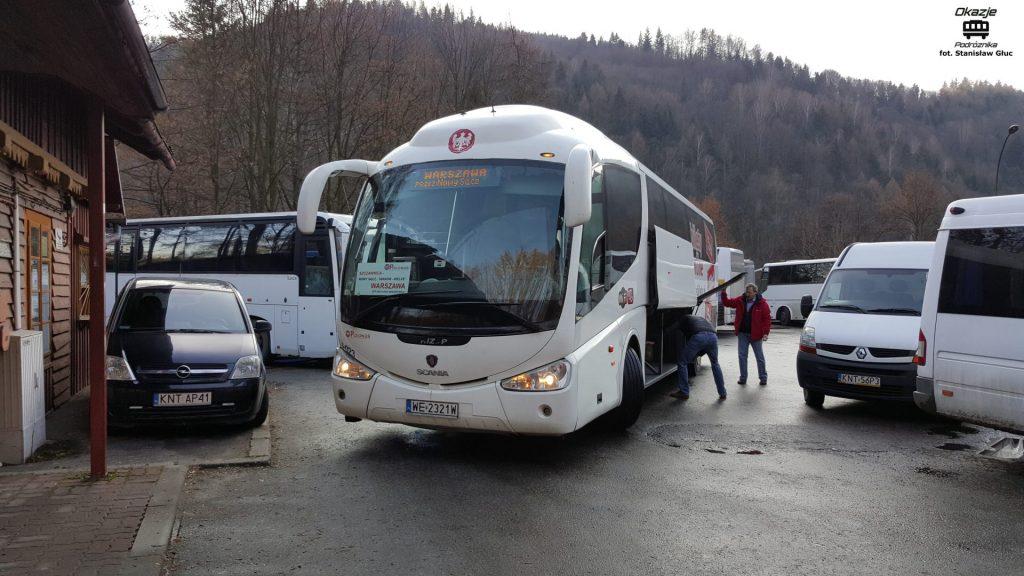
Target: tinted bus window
316 267
211 247
267 247
161 248
983 273
622 193
677 216
655 205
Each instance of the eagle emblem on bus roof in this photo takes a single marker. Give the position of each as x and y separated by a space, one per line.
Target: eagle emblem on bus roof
461 140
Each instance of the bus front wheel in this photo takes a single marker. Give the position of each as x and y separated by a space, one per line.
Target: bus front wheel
628 411
263 340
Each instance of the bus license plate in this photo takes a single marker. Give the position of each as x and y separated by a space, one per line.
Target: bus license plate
858 380
182 398
429 408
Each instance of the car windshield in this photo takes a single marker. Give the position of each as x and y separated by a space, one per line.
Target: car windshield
883 291
477 245
182 310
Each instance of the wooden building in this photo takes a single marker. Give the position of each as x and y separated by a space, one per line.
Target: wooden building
75 76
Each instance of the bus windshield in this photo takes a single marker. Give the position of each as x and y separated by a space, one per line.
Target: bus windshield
475 246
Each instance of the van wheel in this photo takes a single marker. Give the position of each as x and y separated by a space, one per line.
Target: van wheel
784 317
628 411
813 398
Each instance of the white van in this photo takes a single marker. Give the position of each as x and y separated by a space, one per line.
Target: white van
782 284
971 352
860 339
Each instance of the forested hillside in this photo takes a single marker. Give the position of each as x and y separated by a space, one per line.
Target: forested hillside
789 163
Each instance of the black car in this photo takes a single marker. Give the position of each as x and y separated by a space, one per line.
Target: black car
184 351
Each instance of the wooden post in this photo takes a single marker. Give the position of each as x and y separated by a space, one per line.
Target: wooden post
96 150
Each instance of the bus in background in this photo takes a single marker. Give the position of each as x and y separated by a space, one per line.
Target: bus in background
291 280
970 361
511 269
783 284
728 264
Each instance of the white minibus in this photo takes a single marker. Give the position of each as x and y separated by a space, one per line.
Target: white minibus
508 271
290 280
860 339
783 284
971 353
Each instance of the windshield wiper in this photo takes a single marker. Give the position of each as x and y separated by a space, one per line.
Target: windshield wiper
843 307
196 331
395 298
498 306
895 311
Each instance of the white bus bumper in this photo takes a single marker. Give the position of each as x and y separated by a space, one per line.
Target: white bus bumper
485 407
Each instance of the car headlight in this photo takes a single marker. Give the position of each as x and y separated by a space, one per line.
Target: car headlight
807 343
554 376
117 369
347 367
248 367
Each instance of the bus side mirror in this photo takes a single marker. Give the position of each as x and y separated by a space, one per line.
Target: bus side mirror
578 174
806 305
313 187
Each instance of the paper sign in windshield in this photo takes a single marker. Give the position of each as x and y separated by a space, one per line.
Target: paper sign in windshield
382 278
456 177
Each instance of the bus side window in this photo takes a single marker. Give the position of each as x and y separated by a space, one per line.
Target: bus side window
316 267
623 197
590 282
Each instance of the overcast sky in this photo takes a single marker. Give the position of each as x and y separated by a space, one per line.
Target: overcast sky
895 40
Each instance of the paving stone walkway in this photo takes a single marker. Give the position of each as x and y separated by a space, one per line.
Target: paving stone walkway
63 523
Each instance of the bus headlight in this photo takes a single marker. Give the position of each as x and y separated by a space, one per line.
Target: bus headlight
347 367
554 376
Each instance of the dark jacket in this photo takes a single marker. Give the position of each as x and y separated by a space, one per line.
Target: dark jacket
690 325
760 317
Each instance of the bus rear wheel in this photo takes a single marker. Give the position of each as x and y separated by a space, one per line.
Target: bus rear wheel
784 317
628 411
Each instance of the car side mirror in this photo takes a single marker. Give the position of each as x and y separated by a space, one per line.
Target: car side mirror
259 325
578 174
806 305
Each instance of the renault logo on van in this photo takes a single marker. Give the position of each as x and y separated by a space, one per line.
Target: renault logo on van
862 353
183 371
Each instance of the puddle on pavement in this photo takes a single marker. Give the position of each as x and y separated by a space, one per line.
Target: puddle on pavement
952 431
956 446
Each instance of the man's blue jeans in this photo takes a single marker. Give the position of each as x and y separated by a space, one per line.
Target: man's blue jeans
699 343
743 340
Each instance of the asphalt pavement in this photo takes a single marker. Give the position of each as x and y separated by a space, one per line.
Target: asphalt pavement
758 484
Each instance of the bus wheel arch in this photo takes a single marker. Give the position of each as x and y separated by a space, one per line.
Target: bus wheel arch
783 315
632 385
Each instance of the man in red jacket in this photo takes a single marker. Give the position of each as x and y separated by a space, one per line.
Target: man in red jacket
753 322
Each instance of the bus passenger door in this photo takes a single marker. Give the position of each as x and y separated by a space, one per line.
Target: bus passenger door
677 286
317 303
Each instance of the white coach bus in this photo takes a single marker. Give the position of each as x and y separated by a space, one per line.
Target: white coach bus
783 284
291 280
505 273
728 264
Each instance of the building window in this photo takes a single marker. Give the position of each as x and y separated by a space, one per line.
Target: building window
38 286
